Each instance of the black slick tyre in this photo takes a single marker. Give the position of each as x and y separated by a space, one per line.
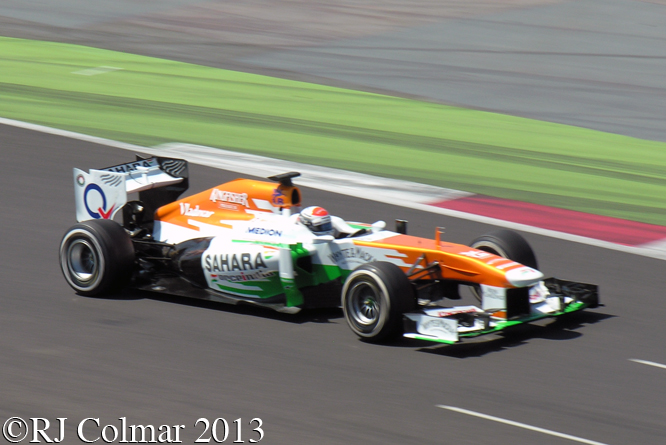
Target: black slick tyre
96 257
374 298
507 244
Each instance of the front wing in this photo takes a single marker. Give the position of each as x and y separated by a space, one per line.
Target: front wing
451 325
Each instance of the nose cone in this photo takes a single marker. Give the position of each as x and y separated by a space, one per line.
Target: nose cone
523 276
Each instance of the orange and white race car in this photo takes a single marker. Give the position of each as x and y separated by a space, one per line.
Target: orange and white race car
243 242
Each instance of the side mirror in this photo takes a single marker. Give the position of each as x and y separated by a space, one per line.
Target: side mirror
401 226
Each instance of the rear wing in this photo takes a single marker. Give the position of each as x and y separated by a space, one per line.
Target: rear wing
99 194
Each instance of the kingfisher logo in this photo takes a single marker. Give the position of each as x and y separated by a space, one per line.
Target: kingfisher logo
224 196
92 194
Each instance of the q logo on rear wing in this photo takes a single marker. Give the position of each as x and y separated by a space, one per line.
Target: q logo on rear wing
101 211
101 193
98 194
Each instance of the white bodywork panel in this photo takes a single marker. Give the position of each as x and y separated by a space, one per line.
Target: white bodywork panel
435 327
99 194
493 297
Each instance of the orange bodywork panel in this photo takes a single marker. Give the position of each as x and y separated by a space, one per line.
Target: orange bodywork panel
457 262
235 200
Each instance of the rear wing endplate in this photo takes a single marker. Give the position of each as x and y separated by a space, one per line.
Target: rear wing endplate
99 194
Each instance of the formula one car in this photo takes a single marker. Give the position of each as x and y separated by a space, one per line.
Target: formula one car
241 243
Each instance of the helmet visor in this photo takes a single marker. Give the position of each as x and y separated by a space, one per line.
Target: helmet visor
325 227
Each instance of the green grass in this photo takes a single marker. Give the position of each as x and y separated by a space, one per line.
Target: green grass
150 101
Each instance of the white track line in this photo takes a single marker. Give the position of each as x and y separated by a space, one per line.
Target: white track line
390 191
645 362
520 425
96 71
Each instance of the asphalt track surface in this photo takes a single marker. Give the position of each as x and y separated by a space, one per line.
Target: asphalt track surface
159 360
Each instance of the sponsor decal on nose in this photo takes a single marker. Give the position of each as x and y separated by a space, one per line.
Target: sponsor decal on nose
523 276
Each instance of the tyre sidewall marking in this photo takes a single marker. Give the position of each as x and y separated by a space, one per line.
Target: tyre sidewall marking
494 246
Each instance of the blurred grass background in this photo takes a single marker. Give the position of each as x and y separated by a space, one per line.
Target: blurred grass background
148 101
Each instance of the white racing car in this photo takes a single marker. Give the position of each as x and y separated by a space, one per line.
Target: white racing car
240 243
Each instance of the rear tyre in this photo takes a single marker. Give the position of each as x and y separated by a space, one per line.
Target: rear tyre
374 298
96 257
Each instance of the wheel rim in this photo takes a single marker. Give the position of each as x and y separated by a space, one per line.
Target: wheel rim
364 305
82 262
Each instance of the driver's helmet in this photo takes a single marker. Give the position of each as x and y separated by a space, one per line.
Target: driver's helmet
317 220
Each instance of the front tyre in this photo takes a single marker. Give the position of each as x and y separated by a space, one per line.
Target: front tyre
507 244
374 298
96 257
